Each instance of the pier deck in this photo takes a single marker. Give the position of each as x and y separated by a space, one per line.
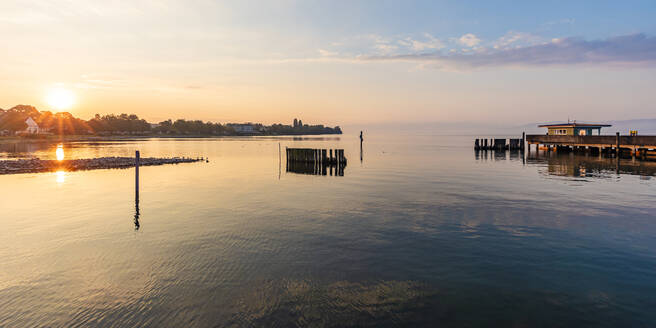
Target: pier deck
635 146
648 142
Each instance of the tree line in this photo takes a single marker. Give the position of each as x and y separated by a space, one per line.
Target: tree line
13 121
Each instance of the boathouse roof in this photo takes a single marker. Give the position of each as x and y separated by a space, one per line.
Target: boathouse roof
572 125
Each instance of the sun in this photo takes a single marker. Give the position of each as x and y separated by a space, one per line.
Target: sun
60 98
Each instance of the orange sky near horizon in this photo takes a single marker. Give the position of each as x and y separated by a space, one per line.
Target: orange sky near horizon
275 61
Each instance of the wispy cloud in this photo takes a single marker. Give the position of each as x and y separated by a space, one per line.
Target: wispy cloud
430 43
515 39
629 50
327 53
469 40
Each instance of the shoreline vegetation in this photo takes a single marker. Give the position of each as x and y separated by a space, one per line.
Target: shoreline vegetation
48 125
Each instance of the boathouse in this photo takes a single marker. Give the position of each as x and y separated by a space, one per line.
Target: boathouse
587 137
574 129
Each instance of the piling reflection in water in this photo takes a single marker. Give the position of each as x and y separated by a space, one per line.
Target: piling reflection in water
498 155
315 168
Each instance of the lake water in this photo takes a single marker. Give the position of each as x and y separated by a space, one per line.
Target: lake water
419 231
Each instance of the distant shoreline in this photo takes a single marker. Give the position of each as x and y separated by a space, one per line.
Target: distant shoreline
71 138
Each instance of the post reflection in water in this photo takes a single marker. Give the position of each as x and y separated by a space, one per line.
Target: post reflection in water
137 225
361 152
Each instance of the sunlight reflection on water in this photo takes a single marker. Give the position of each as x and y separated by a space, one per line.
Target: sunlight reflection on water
59 153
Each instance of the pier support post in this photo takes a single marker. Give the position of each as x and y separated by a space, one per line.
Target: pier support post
137 157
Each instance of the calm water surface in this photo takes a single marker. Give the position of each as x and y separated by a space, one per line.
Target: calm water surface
421 231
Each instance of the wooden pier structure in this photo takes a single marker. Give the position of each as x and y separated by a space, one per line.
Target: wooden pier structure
578 137
315 161
499 144
636 146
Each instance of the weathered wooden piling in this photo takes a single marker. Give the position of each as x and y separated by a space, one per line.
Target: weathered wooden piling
500 144
137 158
315 161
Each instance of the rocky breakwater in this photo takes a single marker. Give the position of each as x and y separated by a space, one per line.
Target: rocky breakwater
37 165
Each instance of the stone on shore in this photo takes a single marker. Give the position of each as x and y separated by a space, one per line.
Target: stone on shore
37 165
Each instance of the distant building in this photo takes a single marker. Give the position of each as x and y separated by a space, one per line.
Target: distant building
32 127
574 129
248 128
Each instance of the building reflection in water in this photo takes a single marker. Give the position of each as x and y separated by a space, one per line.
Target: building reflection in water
575 164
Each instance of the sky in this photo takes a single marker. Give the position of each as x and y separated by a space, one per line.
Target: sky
334 62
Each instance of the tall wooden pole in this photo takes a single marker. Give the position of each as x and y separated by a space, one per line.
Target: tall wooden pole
136 175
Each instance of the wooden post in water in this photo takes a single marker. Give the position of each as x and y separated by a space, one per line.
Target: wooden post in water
136 175
617 144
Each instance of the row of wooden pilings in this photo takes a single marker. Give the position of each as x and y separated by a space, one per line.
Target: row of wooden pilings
499 144
316 161
321 156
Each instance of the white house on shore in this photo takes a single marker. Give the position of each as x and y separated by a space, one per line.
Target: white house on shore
247 128
32 127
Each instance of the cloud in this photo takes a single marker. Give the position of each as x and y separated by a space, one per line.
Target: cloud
430 43
514 39
629 50
469 40
327 53
386 48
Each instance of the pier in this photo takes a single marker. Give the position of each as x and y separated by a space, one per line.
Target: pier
641 147
499 144
316 161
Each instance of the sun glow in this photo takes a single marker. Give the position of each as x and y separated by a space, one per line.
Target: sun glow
60 98
60 152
